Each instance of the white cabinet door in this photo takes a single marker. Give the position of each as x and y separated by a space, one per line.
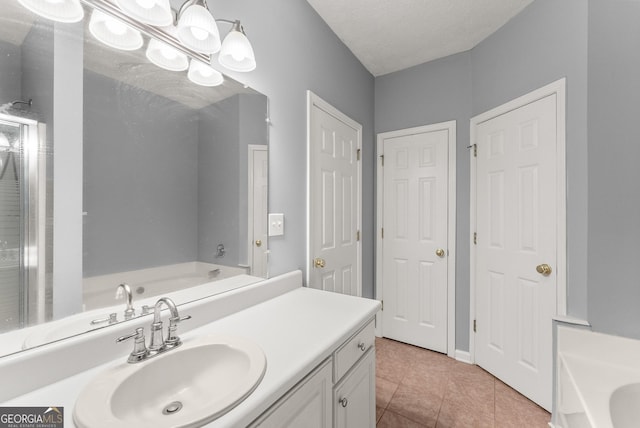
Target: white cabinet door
307 405
354 399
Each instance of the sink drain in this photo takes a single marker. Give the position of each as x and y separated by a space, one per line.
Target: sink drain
172 408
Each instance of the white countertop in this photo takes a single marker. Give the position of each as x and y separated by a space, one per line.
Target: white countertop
296 330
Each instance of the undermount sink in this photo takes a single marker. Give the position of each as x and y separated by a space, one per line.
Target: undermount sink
624 406
186 387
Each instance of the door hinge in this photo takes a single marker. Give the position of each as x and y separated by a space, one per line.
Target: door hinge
358 235
475 150
474 326
475 238
383 233
382 159
358 154
382 305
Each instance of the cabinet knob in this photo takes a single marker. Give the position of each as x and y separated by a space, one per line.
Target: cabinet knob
362 346
258 243
343 401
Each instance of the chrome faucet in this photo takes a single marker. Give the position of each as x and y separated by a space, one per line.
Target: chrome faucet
158 343
129 312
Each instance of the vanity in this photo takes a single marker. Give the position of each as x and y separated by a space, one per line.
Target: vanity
319 349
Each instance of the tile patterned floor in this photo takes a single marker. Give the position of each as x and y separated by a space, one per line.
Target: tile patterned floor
417 388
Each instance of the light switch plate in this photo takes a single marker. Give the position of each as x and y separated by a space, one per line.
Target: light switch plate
276 224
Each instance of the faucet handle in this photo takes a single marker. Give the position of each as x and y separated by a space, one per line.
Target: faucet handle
129 313
113 318
139 348
172 338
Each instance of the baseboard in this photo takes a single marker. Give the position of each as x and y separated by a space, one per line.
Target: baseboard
463 356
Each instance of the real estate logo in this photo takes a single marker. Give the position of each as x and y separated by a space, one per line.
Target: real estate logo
31 417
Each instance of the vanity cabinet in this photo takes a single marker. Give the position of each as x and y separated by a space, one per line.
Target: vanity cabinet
354 398
308 404
340 392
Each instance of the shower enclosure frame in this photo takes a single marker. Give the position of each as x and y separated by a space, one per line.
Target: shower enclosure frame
33 307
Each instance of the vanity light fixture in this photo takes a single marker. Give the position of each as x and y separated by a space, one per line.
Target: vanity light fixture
197 28
118 24
204 75
152 12
165 56
113 32
56 10
236 53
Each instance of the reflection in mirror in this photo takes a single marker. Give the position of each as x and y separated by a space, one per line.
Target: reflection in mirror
157 182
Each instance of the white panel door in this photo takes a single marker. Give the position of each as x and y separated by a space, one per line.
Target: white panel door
516 236
258 209
334 200
415 218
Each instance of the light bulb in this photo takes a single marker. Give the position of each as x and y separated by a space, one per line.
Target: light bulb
169 53
238 56
115 26
147 4
56 10
205 71
199 33
202 74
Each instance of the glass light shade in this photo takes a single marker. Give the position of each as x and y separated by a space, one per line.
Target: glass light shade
236 53
114 33
152 12
56 10
204 75
165 56
198 30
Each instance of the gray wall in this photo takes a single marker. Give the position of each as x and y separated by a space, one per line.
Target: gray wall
37 72
140 183
614 174
10 72
296 51
253 131
545 42
225 131
435 92
218 159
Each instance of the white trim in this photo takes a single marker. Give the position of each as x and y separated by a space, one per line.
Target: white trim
252 148
463 356
559 89
315 100
450 126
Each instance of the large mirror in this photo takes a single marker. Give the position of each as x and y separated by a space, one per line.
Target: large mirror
116 171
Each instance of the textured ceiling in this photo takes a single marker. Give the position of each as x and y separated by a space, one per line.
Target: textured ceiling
391 35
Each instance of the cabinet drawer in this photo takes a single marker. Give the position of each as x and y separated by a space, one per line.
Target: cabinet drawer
347 355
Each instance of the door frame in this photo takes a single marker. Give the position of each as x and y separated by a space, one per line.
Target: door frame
315 100
450 126
252 148
559 89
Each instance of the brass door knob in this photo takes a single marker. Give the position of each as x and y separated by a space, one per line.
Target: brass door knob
544 269
319 263
258 243
440 252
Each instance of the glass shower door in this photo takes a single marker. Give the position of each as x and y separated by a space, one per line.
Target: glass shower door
21 223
